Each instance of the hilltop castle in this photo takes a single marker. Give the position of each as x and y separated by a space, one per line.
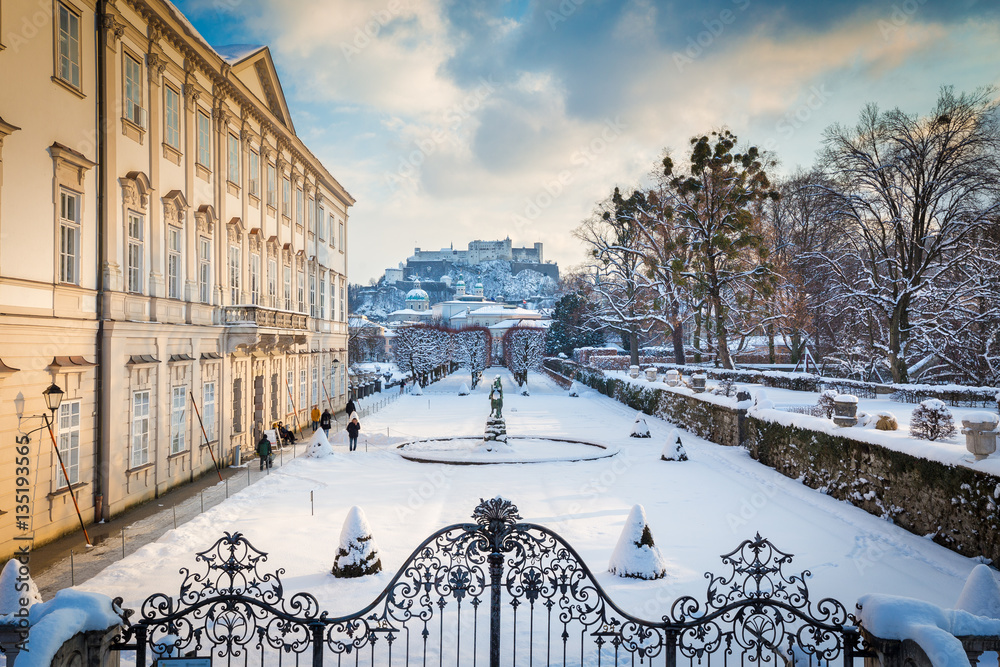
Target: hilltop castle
435 263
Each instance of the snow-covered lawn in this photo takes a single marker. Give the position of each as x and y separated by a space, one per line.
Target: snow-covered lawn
951 450
696 510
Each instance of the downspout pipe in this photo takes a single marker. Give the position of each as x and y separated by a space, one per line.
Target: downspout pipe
102 210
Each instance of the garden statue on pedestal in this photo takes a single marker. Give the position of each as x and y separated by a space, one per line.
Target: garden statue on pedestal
496 427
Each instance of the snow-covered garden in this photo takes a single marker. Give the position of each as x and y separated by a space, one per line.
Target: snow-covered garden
696 509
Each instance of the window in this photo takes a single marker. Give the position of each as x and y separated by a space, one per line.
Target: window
173 262
133 91
343 300
178 425
322 296
299 205
333 299
69 442
272 186
331 226
69 237
234 159
272 283
286 197
340 238
204 140
303 398
290 382
69 46
208 409
204 270
238 405
234 274
254 179
255 279
310 218
172 117
135 252
321 217
140 428
315 385
288 287
312 294
302 291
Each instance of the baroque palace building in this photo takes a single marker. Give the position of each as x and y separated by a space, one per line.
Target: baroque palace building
167 244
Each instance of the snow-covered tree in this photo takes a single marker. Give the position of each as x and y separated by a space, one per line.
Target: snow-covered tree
471 347
932 420
911 194
10 592
613 243
357 554
419 349
575 388
523 349
639 427
827 402
636 556
573 325
463 390
674 449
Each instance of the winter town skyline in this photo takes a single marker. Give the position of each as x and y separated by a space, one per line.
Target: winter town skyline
450 122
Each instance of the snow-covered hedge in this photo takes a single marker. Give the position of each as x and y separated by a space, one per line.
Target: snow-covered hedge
918 494
711 417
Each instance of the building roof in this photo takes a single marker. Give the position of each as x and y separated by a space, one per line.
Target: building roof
417 294
500 309
527 324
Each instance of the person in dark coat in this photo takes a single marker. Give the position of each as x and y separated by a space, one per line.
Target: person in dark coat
353 429
264 451
286 436
324 421
350 409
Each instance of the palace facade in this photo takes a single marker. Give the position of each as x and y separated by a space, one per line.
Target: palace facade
169 250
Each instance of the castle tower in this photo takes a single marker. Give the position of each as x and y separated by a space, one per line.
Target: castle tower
460 287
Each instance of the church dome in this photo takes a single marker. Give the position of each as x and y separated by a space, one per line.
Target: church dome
416 295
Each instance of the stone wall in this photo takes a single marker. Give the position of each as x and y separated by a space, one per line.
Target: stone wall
953 505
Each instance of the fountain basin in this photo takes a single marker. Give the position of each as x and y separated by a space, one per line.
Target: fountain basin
468 450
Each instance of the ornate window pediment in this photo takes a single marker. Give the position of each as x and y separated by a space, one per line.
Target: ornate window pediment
174 207
255 240
235 229
206 218
135 189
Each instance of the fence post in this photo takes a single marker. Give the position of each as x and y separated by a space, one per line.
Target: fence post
496 574
317 637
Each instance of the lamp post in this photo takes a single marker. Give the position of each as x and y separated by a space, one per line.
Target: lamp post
53 396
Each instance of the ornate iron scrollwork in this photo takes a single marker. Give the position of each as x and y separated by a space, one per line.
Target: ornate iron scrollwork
755 613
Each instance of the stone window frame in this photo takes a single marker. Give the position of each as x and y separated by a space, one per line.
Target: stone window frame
286 196
133 464
233 141
205 222
175 208
76 226
199 116
211 425
57 77
70 169
178 431
253 181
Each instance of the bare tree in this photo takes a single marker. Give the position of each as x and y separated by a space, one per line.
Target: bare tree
911 193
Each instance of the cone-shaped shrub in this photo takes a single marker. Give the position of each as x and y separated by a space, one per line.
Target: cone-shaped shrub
674 449
319 445
981 595
357 554
10 596
639 428
636 555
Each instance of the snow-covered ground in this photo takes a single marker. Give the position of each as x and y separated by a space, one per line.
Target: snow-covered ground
696 510
951 450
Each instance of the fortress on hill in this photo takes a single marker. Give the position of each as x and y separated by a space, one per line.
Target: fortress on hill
432 264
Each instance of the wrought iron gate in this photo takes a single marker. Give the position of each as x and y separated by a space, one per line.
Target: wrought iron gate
494 592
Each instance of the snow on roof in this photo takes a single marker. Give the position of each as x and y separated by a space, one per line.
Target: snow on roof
410 311
500 309
234 53
510 324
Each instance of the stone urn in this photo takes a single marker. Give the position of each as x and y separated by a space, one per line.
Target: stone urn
633 372
651 373
673 377
845 410
980 430
698 382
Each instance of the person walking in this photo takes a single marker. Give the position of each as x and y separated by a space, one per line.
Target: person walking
350 409
264 451
353 429
324 421
315 417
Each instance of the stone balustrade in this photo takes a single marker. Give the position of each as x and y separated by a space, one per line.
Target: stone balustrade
264 317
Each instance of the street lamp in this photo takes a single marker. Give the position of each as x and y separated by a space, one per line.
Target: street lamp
53 396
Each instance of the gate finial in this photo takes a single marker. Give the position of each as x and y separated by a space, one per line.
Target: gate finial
495 512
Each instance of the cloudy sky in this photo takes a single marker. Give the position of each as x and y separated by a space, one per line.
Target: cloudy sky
457 120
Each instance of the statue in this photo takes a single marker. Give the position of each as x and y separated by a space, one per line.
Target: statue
496 399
